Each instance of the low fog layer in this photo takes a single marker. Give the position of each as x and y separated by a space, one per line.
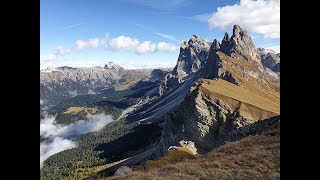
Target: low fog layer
59 137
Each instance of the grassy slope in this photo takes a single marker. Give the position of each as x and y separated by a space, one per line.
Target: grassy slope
230 90
254 157
270 89
75 110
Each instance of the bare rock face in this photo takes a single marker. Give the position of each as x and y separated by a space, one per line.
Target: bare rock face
200 59
270 59
192 57
205 118
123 171
240 42
158 74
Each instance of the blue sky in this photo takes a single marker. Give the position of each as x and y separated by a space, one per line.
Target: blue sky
145 33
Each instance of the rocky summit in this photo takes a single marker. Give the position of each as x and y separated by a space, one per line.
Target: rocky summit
232 91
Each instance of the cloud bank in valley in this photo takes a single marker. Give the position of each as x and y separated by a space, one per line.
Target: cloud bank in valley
60 137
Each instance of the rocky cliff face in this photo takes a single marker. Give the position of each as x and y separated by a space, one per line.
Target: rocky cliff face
270 59
158 74
192 57
241 43
57 84
242 93
201 59
212 109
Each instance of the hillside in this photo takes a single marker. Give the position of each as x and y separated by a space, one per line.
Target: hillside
253 157
224 89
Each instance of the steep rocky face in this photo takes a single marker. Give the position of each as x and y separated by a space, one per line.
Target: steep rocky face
192 57
198 54
242 93
57 84
158 74
211 110
236 69
270 59
241 43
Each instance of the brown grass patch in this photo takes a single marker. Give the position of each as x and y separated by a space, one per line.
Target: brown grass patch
75 110
171 157
224 88
254 157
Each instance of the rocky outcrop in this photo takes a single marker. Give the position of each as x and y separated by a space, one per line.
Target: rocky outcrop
241 43
123 171
251 130
270 59
158 74
205 117
192 57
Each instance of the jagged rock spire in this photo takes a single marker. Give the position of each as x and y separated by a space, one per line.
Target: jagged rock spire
226 37
216 44
240 42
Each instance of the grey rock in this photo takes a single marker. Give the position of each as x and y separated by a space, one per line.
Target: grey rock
123 171
240 42
193 54
207 120
270 59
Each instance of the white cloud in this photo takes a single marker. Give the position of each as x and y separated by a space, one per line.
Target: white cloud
47 57
146 48
60 137
120 43
163 46
90 43
259 16
170 37
57 145
70 26
123 43
62 51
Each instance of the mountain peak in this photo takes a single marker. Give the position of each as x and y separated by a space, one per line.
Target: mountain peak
216 44
195 37
237 29
226 37
192 56
241 43
112 65
196 40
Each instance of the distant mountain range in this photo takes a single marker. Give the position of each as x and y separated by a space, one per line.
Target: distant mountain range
58 84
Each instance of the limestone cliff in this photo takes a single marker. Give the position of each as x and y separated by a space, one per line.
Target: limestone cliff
212 109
